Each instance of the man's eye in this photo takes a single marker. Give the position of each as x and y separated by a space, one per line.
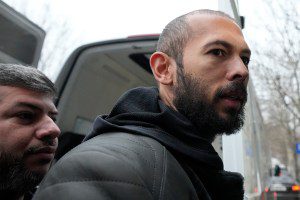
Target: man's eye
26 117
245 60
218 52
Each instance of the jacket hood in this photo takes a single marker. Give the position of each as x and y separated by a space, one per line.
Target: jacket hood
140 111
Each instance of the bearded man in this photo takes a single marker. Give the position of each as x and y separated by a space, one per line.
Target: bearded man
156 142
28 133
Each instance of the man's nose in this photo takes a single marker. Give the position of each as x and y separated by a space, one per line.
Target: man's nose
238 71
48 129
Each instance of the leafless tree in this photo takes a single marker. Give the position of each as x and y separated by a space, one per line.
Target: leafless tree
278 67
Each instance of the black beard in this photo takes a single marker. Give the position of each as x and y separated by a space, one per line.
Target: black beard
15 178
191 101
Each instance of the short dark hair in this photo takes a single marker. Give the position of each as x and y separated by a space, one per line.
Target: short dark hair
27 78
177 33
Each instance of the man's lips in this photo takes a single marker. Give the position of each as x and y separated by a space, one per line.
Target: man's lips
41 149
44 154
233 98
234 91
46 149
232 102
234 95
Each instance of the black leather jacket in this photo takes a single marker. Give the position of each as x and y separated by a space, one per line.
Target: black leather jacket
117 166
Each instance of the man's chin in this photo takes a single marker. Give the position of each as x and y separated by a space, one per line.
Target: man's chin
16 177
231 122
38 169
38 163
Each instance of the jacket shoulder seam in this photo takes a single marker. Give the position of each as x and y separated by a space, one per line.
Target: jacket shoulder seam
98 180
164 169
154 164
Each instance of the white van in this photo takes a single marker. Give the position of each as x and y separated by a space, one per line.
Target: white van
92 80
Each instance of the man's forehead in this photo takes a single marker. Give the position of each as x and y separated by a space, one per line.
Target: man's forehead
206 22
19 97
209 27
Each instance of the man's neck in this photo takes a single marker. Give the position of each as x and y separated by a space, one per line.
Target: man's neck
167 97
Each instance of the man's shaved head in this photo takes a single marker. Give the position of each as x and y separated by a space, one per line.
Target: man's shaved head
177 33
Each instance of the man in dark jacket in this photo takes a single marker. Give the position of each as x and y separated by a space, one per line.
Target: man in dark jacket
28 133
156 143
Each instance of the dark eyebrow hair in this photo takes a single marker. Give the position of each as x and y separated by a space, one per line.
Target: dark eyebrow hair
33 107
225 44
29 105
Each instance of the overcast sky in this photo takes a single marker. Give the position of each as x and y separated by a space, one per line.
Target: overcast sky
97 20
89 21
119 18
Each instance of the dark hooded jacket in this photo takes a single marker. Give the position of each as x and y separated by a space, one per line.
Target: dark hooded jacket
140 112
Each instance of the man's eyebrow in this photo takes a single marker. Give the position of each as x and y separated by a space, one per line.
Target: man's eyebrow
218 42
53 112
34 107
246 51
29 105
226 45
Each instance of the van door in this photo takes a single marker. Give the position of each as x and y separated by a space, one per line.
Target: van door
92 80
21 40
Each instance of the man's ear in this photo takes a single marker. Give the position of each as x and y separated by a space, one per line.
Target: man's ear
162 67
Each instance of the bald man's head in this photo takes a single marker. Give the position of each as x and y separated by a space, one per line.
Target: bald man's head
177 33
